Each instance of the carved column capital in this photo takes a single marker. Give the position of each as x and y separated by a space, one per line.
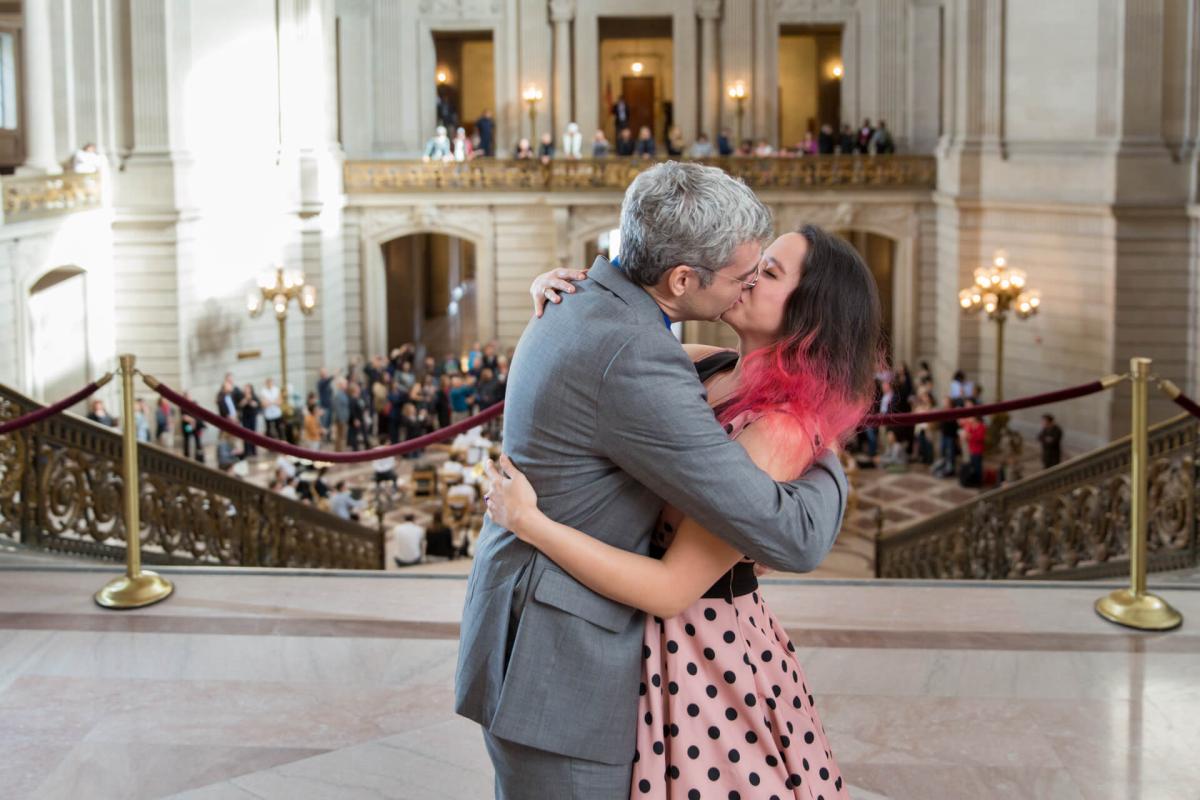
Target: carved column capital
562 10
708 9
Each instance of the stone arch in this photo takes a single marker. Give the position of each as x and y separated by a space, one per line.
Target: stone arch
380 229
55 327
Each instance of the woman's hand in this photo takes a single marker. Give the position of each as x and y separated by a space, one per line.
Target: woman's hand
548 285
511 501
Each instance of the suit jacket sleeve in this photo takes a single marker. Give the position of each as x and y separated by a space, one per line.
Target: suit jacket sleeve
654 422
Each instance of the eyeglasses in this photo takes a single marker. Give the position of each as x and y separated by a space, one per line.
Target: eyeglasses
750 284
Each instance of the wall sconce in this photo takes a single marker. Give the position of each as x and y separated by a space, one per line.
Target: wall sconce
637 67
838 71
737 92
532 95
442 76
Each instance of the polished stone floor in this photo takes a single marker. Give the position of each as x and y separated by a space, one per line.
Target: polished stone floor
249 685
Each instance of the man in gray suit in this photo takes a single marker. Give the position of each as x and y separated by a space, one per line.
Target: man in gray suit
607 419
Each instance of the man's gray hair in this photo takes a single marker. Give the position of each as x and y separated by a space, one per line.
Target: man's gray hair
680 213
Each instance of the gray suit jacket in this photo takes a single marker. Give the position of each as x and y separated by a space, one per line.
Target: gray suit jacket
606 417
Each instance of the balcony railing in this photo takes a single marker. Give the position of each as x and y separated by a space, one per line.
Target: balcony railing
615 173
61 491
1069 522
32 196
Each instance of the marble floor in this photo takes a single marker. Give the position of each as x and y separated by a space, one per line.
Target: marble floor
249 684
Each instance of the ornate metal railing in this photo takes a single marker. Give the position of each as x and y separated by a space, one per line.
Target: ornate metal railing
31 196
615 173
1069 522
60 490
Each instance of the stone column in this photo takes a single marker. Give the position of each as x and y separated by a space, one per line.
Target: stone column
39 95
709 11
561 14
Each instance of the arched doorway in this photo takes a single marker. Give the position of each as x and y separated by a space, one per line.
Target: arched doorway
58 324
880 254
431 292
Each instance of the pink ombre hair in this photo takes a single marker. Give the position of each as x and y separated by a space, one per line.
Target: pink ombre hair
818 379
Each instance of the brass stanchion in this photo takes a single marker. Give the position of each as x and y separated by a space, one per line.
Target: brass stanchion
135 588
1135 607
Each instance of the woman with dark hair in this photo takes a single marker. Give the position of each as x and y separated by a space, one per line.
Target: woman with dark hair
800 381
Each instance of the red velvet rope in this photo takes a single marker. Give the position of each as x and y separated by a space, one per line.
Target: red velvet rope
39 414
1187 404
353 457
905 420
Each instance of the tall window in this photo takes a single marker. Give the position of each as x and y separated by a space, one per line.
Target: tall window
8 80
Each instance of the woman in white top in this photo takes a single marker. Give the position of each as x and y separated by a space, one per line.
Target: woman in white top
272 409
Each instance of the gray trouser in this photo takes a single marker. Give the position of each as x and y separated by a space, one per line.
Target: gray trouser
525 773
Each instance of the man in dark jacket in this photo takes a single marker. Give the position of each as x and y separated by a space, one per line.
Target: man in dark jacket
1050 437
485 126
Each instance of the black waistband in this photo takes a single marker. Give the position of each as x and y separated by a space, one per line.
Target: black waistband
738 581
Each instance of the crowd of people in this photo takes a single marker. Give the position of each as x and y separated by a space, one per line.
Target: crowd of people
869 138
950 448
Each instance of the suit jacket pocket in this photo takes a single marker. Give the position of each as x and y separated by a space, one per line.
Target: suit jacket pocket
564 593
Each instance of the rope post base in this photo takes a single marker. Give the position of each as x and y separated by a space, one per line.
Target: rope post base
135 588
1135 607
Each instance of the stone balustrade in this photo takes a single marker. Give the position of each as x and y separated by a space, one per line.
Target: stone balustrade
31 196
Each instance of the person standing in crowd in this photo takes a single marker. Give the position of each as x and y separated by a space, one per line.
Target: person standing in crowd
1050 437
625 142
98 413
141 420
599 145
229 397
975 433
325 397
959 388
864 137
193 431
947 464
312 434
485 126
701 148
248 411
438 147
825 140
924 430
162 422
572 142
546 148
407 543
620 114
341 414
397 396
272 408
881 140
356 429
645 147
725 143
460 146
87 160
846 140
675 143
380 390
489 360
450 365
429 367
473 356
442 401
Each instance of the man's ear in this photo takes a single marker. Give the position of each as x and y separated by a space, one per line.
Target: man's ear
678 280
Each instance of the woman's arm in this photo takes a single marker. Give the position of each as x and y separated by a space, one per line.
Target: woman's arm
695 559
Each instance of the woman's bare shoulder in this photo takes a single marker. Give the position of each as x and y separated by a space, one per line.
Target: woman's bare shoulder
698 351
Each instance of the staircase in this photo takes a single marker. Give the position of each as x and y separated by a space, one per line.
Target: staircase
61 490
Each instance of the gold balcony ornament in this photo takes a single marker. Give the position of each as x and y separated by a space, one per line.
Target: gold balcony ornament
532 95
999 289
738 94
278 289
